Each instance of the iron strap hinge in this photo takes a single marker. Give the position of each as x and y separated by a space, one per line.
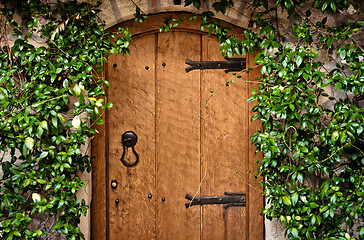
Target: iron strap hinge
231 65
230 200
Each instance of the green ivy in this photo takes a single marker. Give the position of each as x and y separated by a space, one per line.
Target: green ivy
313 153
51 97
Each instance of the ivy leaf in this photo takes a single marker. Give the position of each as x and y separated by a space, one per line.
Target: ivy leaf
43 155
99 102
41 181
294 232
54 122
299 60
287 47
139 17
334 137
286 200
39 132
61 117
36 197
100 121
44 125
197 4
294 198
27 182
338 85
361 231
76 122
220 6
3 97
342 54
88 69
77 90
109 105
313 220
29 143
313 205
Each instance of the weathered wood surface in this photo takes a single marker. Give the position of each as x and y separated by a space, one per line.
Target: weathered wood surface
178 137
99 190
185 146
99 177
133 93
256 200
225 156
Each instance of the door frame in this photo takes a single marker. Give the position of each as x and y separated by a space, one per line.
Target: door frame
99 144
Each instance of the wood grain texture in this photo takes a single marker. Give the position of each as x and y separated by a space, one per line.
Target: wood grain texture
176 142
98 202
224 123
256 200
178 135
133 95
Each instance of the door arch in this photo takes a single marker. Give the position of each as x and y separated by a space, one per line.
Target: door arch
185 145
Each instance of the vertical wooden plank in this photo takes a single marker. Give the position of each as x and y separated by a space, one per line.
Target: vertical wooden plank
178 135
98 203
225 156
132 92
178 151
256 200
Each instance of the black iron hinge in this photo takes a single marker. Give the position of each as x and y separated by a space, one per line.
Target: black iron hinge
230 200
231 65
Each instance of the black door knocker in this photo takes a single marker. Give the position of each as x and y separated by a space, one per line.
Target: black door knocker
129 139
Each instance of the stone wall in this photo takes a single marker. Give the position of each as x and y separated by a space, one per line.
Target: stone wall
117 11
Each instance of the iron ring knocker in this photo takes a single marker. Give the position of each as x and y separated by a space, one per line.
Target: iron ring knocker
129 139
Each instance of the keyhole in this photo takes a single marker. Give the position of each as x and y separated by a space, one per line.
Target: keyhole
114 184
117 204
127 154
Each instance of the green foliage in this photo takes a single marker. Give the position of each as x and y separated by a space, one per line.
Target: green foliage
313 153
218 6
312 138
168 25
139 16
40 87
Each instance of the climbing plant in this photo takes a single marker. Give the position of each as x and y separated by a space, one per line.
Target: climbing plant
311 110
51 96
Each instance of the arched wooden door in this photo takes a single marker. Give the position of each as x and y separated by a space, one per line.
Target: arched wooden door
190 141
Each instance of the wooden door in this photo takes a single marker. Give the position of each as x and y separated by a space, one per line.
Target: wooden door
190 141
